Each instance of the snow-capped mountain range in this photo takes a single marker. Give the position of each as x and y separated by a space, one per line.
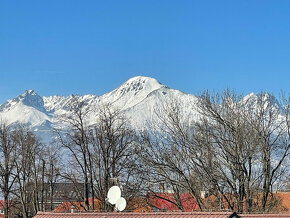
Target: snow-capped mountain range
137 98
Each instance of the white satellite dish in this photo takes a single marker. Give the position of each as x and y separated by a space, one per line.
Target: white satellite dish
114 194
121 204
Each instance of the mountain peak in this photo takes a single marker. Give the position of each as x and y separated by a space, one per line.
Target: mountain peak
31 98
29 92
138 83
265 98
144 79
28 98
133 91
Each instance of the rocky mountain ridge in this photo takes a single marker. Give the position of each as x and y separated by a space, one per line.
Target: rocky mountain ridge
137 98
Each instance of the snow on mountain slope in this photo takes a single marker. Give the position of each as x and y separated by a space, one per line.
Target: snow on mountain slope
24 114
26 108
251 100
131 92
144 112
137 98
29 98
57 103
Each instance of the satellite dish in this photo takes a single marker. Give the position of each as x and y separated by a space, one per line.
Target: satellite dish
121 204
114 194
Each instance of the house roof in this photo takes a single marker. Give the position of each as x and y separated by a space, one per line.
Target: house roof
158 201
265 215
285 197
155 215
136 205
66 207
137 215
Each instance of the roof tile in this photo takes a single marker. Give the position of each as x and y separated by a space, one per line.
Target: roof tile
155 215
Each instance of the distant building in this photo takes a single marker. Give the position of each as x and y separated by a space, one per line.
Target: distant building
58 193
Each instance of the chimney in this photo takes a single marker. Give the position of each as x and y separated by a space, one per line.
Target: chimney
161 187
72 209
203 194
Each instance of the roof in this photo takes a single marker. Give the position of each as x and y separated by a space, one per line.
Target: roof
189 204
155 215
265 215
136 205
285 197
66 207
11 203
137 215
158 201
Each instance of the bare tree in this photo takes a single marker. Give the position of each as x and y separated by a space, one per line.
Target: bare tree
112 147
102 153
7 164
272 126
221 153
235 144
27 150
168 153
76 141
247 135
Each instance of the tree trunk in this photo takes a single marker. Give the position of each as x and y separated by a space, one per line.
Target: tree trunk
42 185
6 205
51 187
266 174
86 188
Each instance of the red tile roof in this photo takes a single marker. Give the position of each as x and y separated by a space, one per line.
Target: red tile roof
66 207
137 215
264 215
189 203
155 215
137 205
285 197
158 201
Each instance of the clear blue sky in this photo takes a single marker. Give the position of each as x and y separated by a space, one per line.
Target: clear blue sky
90 46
